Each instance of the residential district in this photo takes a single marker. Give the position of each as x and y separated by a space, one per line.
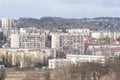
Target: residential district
55 48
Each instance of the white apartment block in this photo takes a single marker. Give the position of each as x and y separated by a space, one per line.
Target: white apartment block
106 50
6 23
31 30
83 31
104 34
73 41
86 58
32 38
25 56
58 63
14 41
49 52
70 39
75 60
103 46
55 40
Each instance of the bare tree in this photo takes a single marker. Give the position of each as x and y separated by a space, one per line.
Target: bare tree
46 75
92 71
110 76
2 74
32 75
115 67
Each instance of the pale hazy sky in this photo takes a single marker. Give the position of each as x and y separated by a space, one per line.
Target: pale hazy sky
59 8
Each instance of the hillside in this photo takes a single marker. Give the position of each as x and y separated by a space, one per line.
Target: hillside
57 22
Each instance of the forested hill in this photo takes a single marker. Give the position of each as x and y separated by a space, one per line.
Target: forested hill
57 22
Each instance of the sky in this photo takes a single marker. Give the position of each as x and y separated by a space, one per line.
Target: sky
59 8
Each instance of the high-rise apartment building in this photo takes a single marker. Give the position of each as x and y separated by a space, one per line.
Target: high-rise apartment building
32 38
72 42
68 42
14 41
55 40
6 23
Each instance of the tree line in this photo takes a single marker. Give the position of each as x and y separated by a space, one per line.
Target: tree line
86 71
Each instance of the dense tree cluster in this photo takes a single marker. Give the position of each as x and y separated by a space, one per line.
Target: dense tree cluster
57 22
86 71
